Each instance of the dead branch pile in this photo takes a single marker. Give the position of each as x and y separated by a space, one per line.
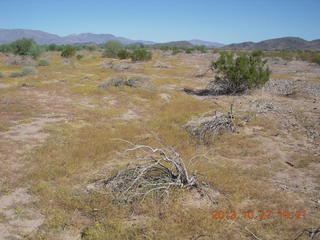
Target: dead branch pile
153 170
281 87
312 233
161 65
222 86
218 86
262 106
118 81
202 73
204 129
11 59
117 66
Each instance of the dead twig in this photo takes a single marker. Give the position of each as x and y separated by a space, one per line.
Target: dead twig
203 235
312 233
255 237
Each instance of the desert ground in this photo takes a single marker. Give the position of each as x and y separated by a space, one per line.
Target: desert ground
59 139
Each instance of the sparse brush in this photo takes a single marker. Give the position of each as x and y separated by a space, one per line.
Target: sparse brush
68 51
16 74
79 56
43 63
123 54
141 55
29 71
23 47
112 49
123 81
25 71
1 75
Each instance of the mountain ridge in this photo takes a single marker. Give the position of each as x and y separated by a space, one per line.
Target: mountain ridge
41 37
284 43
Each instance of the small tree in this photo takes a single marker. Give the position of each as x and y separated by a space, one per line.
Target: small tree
52 47
25 47
316 60
68 51
112 48
238 73
124 54
91 48
141 55
79 56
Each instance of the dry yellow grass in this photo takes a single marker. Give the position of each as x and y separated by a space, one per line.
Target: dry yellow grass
82 149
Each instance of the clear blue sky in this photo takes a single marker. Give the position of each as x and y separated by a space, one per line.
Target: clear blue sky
223 21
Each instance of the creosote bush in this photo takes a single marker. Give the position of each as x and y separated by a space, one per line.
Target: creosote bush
69 51
25 71
79 56
23 47
43 63
29 70
1 75
112 49
316 59
238 73
16 74
124 54
141 55
119 81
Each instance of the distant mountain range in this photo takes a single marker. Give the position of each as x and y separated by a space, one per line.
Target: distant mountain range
285 43
205 43
10 35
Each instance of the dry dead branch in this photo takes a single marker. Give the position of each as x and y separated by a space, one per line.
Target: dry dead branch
252 234
203 236
312 233
204 129
153 170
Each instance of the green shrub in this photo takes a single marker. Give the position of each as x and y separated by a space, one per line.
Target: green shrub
52 47
316 59
188 50
112 48
238 73
68 51
79 56
16 74
43 63
176 50
201 49
140 55
1 75
119 81
91 48
29 71
25 71
24 47
124 54
6 48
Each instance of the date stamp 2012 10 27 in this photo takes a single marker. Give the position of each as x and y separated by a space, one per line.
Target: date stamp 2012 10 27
259 214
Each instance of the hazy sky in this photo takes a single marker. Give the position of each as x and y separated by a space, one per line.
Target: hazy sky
225 21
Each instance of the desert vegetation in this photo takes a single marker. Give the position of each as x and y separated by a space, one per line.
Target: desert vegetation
24 47
158 142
